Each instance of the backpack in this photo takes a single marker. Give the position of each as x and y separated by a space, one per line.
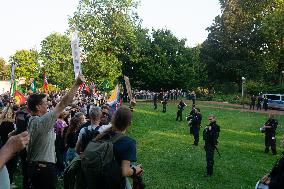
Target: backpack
73 177
88 135
99 166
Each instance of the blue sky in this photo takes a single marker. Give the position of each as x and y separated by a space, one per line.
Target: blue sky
25 23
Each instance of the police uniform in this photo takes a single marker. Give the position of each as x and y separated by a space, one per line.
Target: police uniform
210 137
181 106
270 139
164 102
155 99
195 126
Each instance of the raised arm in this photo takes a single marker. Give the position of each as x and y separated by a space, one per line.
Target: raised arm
67 99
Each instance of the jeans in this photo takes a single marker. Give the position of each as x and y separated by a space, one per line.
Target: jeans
42 175
71 154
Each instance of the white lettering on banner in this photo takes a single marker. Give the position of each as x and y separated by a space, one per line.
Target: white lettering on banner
76 54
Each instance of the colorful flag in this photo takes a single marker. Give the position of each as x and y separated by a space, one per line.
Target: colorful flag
19 98
114 99
84 87
33 86
45 83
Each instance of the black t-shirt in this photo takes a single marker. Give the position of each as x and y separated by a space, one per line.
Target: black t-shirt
72 140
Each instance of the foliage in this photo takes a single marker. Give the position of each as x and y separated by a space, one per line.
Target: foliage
246 40
4 70
165 62
106 31
27 64
56 60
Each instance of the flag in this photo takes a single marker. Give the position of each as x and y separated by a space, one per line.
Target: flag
114 99
33 86
105 85
84 87
128 87
19 98
45 83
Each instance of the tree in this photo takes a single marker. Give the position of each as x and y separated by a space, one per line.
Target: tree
26 62
165 62
237 44
106 31
57 60
4 70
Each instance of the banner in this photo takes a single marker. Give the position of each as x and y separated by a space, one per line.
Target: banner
76 54
128 87
13 72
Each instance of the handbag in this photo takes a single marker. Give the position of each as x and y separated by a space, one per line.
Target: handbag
261 185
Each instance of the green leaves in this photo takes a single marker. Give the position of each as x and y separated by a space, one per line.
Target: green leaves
26 62
57 60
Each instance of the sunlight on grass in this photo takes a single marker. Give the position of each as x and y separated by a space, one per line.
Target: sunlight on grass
241 132
145 112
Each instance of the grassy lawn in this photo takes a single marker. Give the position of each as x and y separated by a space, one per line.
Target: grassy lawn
171 161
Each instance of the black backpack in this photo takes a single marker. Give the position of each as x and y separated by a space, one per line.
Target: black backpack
88 135
99 166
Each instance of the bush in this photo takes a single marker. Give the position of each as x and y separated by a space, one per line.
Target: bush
256 87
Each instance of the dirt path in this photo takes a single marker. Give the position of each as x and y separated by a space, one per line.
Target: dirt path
236 107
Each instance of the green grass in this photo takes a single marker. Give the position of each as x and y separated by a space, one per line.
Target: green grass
171 162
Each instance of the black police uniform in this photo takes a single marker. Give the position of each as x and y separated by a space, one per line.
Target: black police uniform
259 101
180 109
195 126
155 99
270 139
265 103
252 104
210 137
164 102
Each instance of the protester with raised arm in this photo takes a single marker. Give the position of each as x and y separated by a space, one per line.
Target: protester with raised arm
41 148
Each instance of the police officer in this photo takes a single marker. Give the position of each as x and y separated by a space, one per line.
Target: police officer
164 102
181 106
155 99
259 101
195 123
265 103
210 136
269 129
252 104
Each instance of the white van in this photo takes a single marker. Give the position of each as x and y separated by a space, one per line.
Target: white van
275 101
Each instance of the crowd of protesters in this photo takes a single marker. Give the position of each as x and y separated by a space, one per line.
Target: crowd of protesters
48 132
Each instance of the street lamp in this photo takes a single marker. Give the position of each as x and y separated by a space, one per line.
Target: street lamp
243 83
282 78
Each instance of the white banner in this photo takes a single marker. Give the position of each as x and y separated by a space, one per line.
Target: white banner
13 72
76 54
